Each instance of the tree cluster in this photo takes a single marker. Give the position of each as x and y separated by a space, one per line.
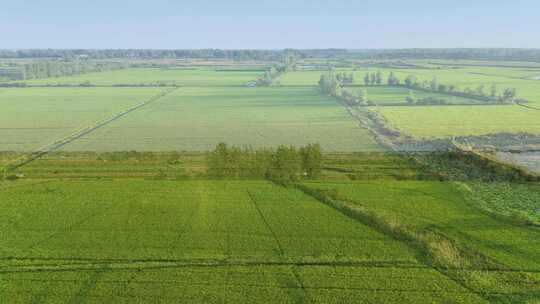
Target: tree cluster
266 55
371 79
284 164
56 68
11 73
344 78
480 93
531 55
329 84
271 76
355 97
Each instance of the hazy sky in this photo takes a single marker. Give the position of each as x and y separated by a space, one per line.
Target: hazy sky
268 24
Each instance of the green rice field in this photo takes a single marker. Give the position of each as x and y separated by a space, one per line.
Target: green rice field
385 95
196 119
440 208
210 107
142 76
33 117
446 121
200 241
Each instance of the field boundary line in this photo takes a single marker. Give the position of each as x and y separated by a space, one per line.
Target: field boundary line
274 235
82 132
363 216
156 264
527 106
223 263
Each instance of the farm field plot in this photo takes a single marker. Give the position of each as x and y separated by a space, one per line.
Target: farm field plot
33 117
139 76
202 241
439 207
196 119
508 198
431 122
137 219
382 95
442 206
520 79
302 78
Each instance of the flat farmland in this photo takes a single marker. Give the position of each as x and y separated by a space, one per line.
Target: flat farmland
141 76
303 78
442 208
33 117
200 241
471 77
196 119
524 80
445 121
386 95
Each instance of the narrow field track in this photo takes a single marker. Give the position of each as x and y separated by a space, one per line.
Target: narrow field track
83 132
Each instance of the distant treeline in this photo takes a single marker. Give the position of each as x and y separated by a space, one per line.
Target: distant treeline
451 53
336 84
284 164
481 92
144 54
56 68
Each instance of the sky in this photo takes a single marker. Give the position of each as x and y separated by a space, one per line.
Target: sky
263 24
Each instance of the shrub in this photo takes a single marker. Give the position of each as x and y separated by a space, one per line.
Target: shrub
12 177
519 217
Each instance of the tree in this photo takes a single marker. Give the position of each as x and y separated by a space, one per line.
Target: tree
434 84
267 80
366 79
392 79
442 88
218 160
311 156
493 91
509 95
351 78
362 96
378 78
373 78
411 99
286 164
480 90
289 60
339 77
411 81
329 84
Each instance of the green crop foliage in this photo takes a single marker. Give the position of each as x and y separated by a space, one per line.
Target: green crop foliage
446 121
196 119
126 240
509 199
422 207
33 117
154 76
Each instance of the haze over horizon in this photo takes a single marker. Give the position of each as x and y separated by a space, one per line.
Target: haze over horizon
241 24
